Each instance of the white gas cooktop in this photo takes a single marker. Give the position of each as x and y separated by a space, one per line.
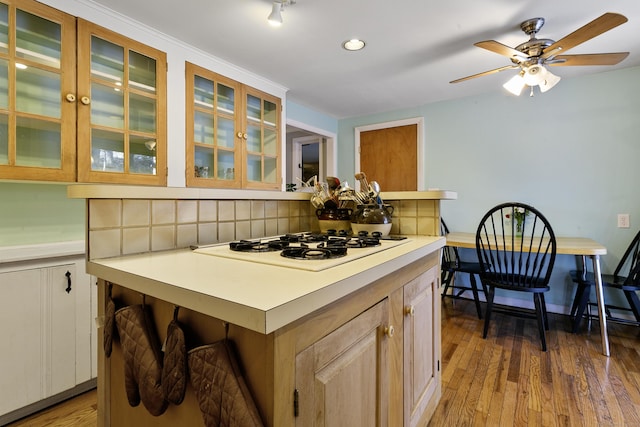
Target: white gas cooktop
274 257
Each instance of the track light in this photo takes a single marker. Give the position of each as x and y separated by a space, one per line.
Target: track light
534 75
275 17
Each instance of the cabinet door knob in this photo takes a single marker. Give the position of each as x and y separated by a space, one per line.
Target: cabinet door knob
245 136
410 310
239 134
70 97
389 331
85 100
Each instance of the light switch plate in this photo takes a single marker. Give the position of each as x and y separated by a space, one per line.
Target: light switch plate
623 220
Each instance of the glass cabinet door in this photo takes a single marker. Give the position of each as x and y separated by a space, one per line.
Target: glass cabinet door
211 122
262 140
122 116
233 133
37 92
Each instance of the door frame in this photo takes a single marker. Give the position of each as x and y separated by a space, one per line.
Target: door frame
331 162
419 122
297 144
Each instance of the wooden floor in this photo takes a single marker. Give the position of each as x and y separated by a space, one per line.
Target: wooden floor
504 380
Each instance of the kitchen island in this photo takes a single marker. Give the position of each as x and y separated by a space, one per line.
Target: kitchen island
354 344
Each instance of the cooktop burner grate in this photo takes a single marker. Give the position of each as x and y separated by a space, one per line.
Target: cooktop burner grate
307 245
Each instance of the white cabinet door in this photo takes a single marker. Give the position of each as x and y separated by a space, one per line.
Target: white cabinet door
46 331
59 329
21 303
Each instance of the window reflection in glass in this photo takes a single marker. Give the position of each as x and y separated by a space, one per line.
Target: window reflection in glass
254 168
226 163
253 139
38 39
225 133
38 92
4 28
203 128
142 72
107 60
107 106
142 113
226 100
37 143
4 84
142 156
203 92
107 151
270 113
4 140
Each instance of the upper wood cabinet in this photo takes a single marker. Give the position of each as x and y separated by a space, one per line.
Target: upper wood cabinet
65 81
37 68
122 109
233 133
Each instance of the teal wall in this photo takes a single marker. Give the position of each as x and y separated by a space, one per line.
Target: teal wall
39 213
571 152
307 116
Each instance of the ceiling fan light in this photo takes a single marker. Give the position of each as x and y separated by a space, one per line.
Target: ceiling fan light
275 17
534 75
550 80
515 85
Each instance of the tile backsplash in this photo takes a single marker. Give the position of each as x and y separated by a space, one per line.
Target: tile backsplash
128 226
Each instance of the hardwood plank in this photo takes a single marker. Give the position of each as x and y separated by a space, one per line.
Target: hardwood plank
572 384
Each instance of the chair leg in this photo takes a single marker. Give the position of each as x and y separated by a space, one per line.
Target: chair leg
487 316
446 279
634 303
538 301
576 300
583 293
476 297
545 317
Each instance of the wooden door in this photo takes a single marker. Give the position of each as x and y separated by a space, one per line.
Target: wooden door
343 378
390 156
421 347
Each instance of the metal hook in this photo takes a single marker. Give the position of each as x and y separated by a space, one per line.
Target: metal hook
226 330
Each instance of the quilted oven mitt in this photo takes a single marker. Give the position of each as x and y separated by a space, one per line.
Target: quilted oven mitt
174 369
222 394
142 358
109 324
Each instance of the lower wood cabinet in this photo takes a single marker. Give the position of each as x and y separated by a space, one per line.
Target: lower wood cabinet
371 358
343 378
46 331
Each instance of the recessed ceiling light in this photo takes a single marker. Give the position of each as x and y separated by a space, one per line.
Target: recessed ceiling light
353 44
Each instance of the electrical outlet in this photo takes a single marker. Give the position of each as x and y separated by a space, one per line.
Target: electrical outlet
623 220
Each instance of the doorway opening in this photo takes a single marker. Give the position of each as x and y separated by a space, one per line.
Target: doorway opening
310 152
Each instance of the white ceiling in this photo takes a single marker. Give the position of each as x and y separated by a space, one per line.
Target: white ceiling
414 47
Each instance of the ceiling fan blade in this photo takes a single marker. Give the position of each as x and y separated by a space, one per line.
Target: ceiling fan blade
594 28
588 59
501 49
485 73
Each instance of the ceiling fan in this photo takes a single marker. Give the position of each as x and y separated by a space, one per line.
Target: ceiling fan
531 56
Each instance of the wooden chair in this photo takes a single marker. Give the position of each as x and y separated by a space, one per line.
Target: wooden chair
625 278
451 264
516 259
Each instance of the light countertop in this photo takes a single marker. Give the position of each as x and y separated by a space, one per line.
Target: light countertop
112 191
259 297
